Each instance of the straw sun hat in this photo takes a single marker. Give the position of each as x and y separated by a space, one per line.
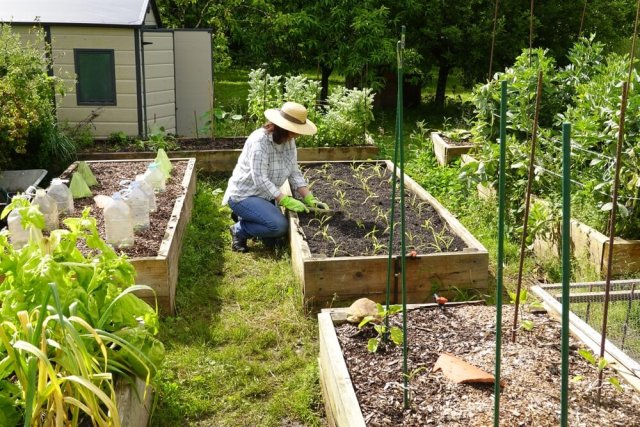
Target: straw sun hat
292 117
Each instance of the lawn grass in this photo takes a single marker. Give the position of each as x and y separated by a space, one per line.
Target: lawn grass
241 351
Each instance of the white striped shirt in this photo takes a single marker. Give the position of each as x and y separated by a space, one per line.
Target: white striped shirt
262 168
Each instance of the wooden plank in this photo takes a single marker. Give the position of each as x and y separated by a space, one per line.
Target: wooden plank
594 246
354 277
617 284
340 398
224 160
599 296
623 364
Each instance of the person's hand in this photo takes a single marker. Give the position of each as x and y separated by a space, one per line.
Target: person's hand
311 201
292 204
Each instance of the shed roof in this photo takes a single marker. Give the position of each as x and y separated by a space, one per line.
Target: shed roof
88 12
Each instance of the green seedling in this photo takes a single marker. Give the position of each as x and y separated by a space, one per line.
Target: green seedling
379 325
525 301
600 363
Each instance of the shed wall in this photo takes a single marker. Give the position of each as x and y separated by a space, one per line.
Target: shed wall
124 115
194 80
159 74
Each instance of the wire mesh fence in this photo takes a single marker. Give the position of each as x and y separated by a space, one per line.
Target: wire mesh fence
587 302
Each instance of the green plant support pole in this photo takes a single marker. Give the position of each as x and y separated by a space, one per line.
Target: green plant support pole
500 261
566 270
403 246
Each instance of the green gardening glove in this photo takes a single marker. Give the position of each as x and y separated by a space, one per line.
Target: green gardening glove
311 201
292 204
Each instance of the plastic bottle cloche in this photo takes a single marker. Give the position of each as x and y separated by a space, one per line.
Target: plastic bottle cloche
154 176
151 196
48 207
118 222
62 195
138 202
17 234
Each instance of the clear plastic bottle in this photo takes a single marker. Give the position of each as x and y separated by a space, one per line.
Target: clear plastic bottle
17 234
139 204
151 196
118 223
48 207
62 195
154 176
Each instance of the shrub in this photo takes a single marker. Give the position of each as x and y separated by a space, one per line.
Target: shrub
27 93
342 121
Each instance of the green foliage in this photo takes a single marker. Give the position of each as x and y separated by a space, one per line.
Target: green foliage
384 332
27 93
585 93
346 117
158 138
342 121
70 320
119 138
265 91
217 120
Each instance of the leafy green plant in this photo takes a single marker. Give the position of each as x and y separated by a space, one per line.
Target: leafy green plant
62 356
119 138
216 120
379 326
159 138
342 121
524 300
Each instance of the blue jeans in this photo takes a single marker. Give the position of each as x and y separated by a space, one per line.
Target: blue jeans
258 218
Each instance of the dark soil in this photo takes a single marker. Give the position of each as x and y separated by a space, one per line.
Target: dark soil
109 175
180 144
456 142
361 193
530 369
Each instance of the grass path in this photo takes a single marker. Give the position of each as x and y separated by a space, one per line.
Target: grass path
240 352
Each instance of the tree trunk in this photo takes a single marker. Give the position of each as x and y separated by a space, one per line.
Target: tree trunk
441 86
324 81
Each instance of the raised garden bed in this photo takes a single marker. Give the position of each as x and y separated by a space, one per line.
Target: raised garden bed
362 388
343 256
156 251
221 154
592 245
446 149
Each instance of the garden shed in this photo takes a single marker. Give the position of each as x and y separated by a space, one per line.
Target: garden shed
121 67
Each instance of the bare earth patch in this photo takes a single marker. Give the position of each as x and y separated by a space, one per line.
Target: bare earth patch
530 369
361 195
